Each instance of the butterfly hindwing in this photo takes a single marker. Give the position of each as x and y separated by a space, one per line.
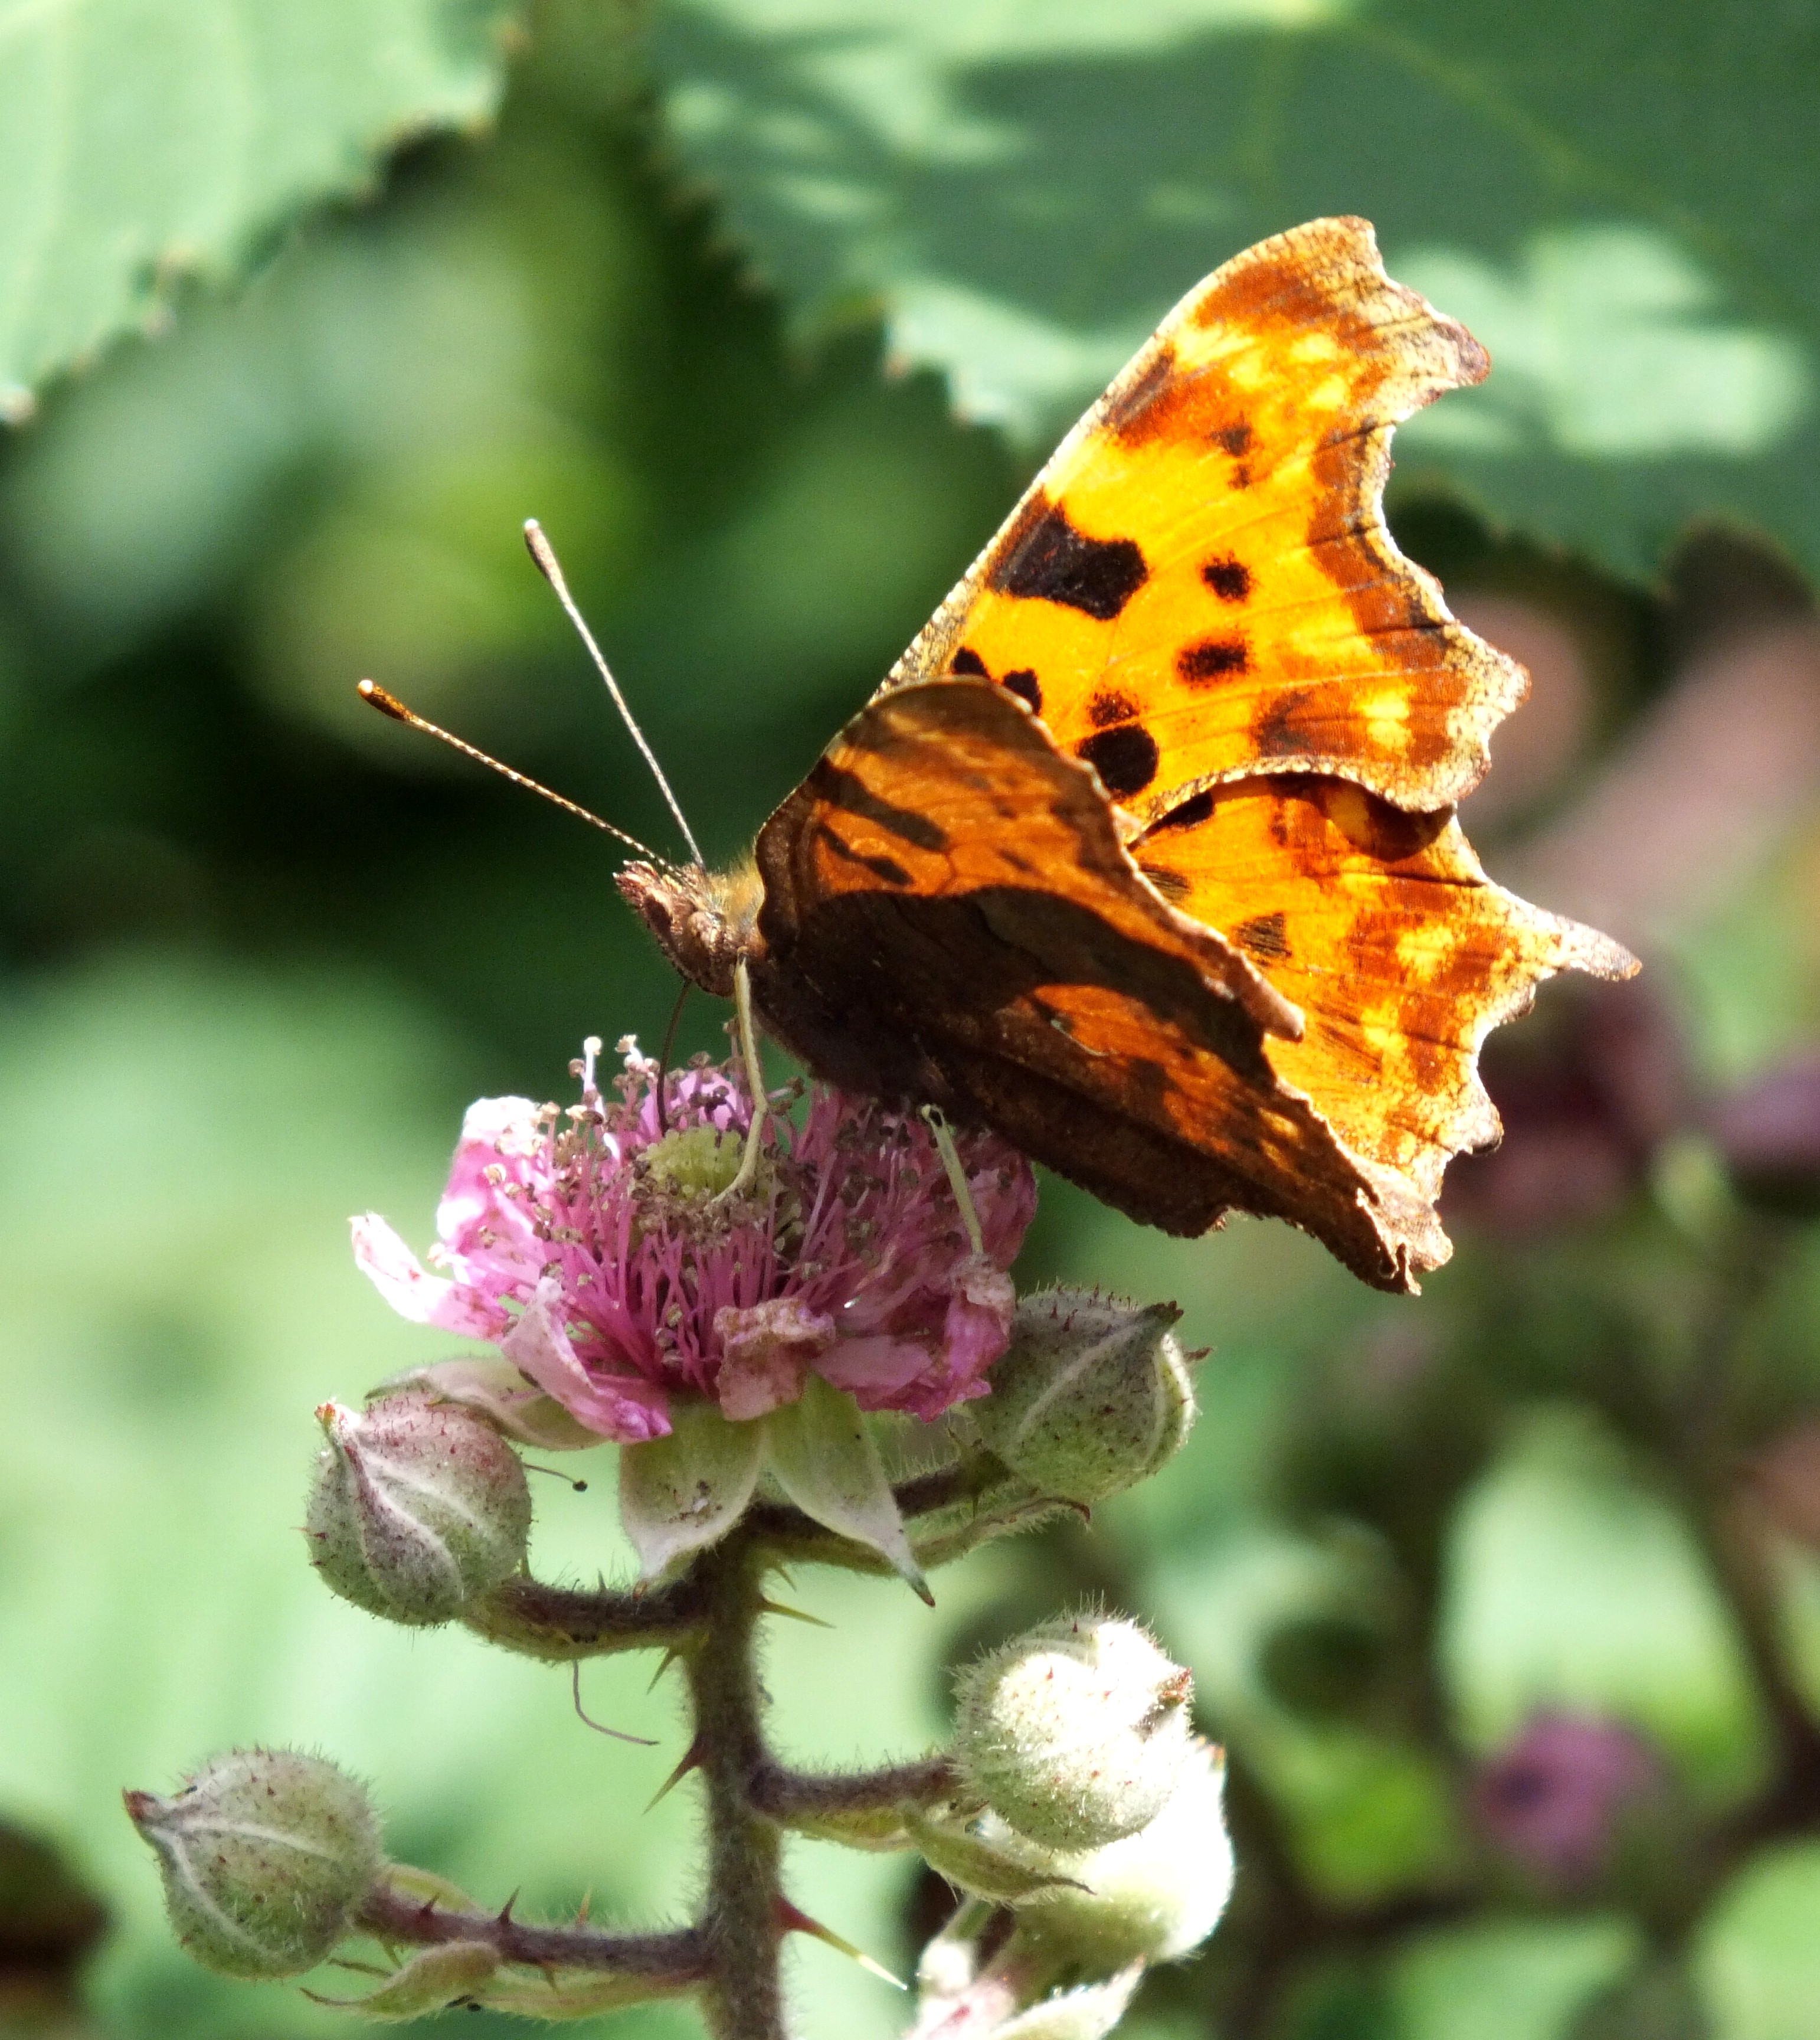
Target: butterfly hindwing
1384 930
949 916
1200 584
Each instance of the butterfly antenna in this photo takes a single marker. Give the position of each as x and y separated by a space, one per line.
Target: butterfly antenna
551 569
376 696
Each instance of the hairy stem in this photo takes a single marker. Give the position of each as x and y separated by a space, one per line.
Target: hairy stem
560 1623
743 1922
799 1797
395 1916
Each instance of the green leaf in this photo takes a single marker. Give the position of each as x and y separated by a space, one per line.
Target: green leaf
1571 1587
1757 1957
1507 1980
142 140
1023 190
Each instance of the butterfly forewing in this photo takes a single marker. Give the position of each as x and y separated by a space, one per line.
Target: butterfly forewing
1200 584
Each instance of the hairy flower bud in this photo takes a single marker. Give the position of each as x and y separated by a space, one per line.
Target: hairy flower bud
1153 1896
419 1507
265 1855
1092 1396
1076 1735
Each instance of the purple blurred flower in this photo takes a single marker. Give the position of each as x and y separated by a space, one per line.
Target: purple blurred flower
1769 1133
595 1251
1552 1798
1586 1092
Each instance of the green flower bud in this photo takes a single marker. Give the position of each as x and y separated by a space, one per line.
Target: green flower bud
419 1507
1092 1396
1150 1898
1076 1733
265 1855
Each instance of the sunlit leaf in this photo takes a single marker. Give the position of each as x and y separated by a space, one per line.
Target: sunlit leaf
144 140
1023 190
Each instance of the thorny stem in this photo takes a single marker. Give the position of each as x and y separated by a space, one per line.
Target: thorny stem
794 1797
743 1922
561 1623
394 1916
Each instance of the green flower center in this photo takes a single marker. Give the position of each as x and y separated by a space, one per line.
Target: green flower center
697 1161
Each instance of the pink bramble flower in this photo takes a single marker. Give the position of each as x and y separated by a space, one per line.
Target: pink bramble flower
1555 1798
594 1247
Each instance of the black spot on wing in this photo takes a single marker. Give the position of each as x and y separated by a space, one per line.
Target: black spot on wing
887 868
1109 707
1047 560
1262 936
1126 758
1230 578
968 664
1235 440
1023 684
1213 659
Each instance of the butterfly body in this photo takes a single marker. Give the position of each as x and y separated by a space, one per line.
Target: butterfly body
1145 853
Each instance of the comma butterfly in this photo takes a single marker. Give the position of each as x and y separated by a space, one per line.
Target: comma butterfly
1145 852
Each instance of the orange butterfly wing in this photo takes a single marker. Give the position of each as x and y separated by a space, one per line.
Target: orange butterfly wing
1382 928
949 916
1200 584
1207 934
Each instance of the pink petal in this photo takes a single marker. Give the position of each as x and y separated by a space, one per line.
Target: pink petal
877 1371
497 1133
626 1408
400 1277
977 1329
766 1352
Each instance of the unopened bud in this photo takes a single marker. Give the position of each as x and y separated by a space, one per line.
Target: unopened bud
419 1507
1092 1396
1150 1898
1076 1733
265 1855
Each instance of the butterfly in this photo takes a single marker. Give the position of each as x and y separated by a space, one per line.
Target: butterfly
1145 853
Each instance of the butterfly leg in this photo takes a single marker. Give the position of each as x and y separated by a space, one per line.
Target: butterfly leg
755 1082
950 1155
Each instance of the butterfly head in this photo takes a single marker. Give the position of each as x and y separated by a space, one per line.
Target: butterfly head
704 921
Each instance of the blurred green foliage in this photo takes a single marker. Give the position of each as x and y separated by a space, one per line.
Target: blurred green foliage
257 947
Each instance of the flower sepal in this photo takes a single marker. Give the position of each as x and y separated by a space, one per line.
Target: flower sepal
490 1385
433 1980
680 1494
825 1459
1087 2013
975 1863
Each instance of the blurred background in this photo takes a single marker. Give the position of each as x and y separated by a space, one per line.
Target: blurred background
1505 1601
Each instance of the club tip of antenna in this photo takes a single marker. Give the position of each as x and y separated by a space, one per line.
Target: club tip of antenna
539 548
375 696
